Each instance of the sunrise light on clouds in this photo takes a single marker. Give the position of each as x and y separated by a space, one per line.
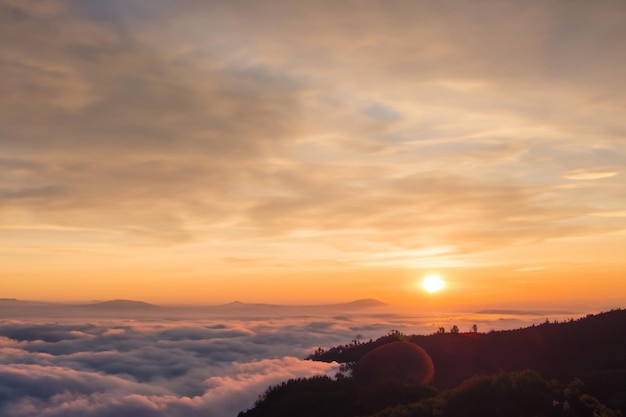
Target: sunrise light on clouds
302 152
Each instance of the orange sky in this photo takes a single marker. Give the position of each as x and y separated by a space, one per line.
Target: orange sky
313 151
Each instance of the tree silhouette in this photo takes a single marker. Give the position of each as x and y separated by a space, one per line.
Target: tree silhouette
517 394
455 329
588 347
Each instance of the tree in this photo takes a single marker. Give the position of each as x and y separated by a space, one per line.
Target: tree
307 397
441 330
455 329
475 328
515 394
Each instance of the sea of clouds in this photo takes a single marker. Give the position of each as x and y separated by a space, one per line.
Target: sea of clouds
174 367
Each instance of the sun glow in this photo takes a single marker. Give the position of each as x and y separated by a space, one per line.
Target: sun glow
433 283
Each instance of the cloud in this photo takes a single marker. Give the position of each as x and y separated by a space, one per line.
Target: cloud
590 175
398 127
146 368
178 367
43 333
183 366
102 124
29 390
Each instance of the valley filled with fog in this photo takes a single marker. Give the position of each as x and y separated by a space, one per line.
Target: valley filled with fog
114 359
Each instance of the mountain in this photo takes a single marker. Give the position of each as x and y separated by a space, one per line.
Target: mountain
17 302
239 307
10 307
523 312
362 303
114 305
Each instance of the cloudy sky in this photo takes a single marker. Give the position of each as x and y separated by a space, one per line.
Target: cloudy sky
206 151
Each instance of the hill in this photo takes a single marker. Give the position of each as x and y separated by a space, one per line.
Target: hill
114 305
362 303
238 307
556 350
573 368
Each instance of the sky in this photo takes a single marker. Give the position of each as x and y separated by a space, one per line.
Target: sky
305 152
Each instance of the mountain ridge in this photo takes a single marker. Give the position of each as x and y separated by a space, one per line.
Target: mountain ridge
121 304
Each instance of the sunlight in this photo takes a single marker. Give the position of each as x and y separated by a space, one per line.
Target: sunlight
433 283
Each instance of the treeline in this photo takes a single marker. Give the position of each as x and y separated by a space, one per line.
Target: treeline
513 394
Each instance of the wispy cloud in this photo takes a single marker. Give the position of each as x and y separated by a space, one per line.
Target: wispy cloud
131 129
590 175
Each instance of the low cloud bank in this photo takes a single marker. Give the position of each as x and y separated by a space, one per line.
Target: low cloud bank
209 367
36 390
164 368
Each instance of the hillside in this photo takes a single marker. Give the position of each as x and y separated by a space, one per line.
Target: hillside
556 350
581 363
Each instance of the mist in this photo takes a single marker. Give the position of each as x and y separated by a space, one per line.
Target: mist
132 358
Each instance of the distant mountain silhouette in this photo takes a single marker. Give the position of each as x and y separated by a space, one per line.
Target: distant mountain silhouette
18 301
13 303
362 303
239 304
353 305
10 307
235 305
523 312
120 305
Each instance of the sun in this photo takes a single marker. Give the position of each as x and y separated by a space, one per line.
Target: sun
433 283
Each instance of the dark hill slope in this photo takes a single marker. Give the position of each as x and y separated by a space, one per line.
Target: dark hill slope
591 345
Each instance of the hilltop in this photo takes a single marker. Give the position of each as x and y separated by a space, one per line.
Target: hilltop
579 362
559 350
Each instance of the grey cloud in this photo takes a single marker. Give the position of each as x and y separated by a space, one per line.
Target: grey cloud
156 353
44 382
18 165
175 368
45 333
225 396
105 95
450 38
149 368
34 193
105 129
202 333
